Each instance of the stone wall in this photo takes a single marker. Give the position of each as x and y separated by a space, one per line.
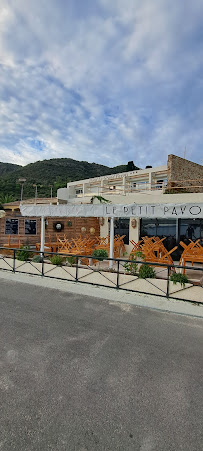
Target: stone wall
184 175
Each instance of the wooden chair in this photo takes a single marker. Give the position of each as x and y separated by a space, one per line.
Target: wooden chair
14 244
193 253
154 251
47 245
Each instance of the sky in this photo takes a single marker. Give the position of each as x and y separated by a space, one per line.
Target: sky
105 81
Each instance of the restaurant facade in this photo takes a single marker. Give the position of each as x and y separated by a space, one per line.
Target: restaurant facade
147 202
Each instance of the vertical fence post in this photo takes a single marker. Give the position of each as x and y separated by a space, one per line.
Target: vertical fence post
168 272
42 255
76 274
111 249
14 260
117 282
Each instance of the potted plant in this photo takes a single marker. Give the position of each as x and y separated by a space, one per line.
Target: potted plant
132 266
146 272
179 278
100 255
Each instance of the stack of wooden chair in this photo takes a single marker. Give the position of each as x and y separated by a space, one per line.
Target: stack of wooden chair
119 246
193 252
77 246
153 250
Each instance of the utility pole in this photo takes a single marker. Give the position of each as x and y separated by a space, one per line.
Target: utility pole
22 181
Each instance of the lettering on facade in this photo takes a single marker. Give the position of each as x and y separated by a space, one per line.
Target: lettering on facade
132 210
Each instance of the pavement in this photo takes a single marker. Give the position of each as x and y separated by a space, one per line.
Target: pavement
82 373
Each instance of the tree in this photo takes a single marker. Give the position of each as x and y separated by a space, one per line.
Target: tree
130 166
6 198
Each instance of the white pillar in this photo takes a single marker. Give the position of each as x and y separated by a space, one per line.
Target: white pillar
150 180
124 184
101 187
111 242
42 234
83 189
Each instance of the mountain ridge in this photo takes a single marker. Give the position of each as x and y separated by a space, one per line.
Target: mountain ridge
56 172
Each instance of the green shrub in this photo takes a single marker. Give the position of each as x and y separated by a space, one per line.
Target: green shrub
146 272
23 254
140 255
178 277
71 260
131 267
37 259
56 260
100 254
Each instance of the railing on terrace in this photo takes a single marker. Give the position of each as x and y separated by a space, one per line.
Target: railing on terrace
122 190
85 269
171 186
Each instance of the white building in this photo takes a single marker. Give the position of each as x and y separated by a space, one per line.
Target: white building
178 182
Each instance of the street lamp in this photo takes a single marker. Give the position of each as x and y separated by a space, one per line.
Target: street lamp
51 186
22 181
35 186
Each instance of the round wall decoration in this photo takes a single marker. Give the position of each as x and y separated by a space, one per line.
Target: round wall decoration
83 229
69 224
101 221
134 223
92 230
58 226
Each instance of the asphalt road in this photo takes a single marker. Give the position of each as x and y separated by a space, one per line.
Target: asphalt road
80 373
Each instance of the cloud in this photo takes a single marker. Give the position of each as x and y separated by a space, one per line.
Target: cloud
106 82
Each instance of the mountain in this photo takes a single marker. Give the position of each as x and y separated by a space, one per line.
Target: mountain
56 172
6 168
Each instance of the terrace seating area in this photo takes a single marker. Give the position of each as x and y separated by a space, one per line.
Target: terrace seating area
153 250
14 242
83 245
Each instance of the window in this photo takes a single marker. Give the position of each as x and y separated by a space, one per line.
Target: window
79 191
162 228
191 229
159 184
30 226
121 227
175 230
11 227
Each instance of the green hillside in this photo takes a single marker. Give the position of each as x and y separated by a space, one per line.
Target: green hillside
56 172
6 168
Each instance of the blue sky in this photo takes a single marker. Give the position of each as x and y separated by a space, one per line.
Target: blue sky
105 81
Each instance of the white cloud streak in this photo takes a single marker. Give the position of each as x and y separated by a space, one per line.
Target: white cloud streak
108 83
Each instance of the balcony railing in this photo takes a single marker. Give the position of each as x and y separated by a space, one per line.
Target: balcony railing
122 190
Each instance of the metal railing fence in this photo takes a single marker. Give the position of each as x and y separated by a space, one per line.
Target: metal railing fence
82 269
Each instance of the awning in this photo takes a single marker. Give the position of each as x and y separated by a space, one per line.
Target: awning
187 210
